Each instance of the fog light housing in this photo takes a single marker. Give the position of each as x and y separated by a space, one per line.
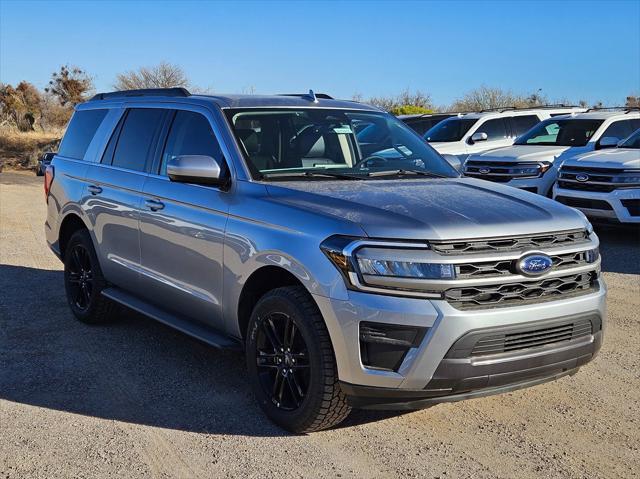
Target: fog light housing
384 346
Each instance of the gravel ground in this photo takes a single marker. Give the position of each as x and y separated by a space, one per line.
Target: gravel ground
137 399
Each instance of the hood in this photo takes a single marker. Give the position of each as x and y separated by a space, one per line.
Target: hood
456 208
451 148
524 153
609 158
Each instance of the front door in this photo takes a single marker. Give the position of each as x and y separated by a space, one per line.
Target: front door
182 229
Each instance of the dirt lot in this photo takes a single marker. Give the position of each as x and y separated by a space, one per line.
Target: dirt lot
137 399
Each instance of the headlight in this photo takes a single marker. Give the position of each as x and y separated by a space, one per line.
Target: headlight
381 265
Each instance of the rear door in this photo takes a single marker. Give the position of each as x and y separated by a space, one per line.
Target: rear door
521 124
182 226
114 194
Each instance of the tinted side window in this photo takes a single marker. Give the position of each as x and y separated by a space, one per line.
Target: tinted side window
190 134
80 132
522 124
495 129
107 156
137 137
619 130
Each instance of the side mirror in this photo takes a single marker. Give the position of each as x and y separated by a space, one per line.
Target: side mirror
609 142
454 161
479 136
199 169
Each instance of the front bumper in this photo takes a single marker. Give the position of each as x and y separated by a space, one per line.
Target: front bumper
601 205
469 377
426 374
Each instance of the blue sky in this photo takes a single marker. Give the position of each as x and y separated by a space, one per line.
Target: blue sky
575 50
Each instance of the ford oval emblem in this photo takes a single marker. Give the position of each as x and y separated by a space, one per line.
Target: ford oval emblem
484 171
534 264
582 177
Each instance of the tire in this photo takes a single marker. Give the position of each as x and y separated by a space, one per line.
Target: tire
39 171
83 281
287 318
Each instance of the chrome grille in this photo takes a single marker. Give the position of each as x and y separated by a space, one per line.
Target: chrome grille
514 243
523 292
532 338
597 179
505 267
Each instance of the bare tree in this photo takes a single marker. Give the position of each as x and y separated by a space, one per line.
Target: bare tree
484 98
164 75
419 100
633 101
70 85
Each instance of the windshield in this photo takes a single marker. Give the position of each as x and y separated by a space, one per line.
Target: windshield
319 143
451 129
560 132
632 142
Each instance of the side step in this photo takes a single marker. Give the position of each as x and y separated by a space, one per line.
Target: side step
202 333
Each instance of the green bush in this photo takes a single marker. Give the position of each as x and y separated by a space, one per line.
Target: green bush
409 110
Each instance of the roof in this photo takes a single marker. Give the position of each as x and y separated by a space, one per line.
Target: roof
606 114
181 95
285 101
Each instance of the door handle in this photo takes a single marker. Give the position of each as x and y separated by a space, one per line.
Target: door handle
94 190
154 205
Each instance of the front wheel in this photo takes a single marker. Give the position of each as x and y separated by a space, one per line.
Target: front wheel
291 363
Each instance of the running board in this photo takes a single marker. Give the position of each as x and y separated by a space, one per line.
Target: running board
202 333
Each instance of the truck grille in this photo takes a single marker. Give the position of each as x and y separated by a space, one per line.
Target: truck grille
505 267
501 172
532 338
603 180
519 293
514 243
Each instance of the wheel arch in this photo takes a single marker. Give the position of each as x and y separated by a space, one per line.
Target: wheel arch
71 223
261 281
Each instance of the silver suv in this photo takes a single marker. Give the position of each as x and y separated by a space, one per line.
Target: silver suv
325 238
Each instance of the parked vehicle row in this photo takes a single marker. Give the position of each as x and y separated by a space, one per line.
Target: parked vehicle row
601 177
353 265
469 133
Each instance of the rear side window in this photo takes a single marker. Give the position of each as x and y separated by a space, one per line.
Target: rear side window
190 134
134 146
495 129
80 131
522 124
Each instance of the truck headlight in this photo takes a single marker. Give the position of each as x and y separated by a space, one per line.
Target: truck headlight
385 265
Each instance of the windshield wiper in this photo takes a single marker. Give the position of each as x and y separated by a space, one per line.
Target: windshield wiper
406 172
310 174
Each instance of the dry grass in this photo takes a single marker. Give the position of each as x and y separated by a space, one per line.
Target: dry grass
21 150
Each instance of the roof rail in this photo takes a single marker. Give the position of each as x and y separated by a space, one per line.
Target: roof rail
182 92
626 109
311 96
532 107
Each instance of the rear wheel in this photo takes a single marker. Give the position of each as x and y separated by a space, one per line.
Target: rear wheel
291 363
83 281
